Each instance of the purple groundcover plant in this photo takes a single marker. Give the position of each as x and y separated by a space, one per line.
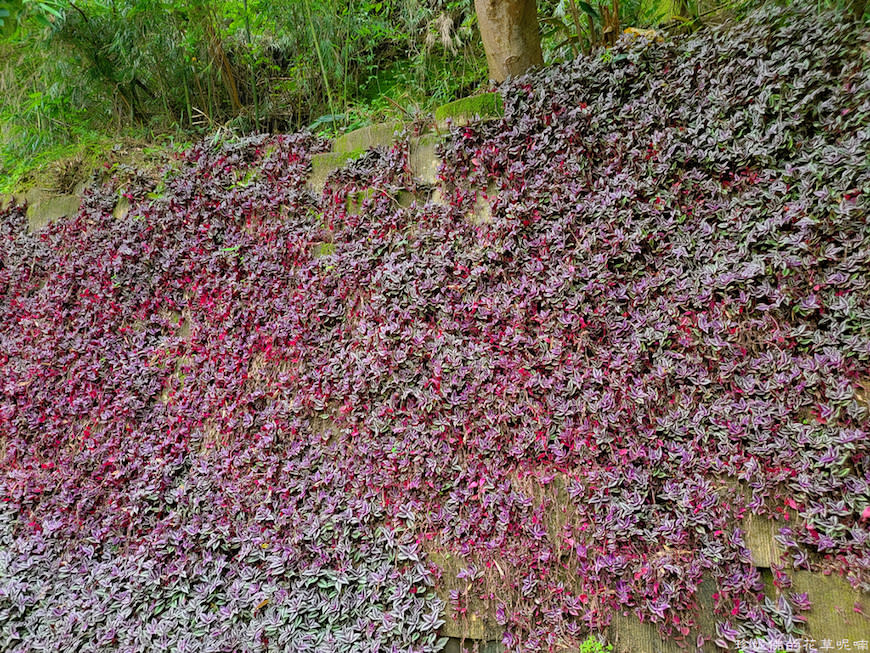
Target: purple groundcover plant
245 416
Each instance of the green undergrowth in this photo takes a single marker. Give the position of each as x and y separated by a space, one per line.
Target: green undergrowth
61 168
37 170
400 92
592 645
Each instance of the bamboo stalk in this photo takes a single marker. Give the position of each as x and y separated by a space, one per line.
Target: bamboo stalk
251 65
319 58
219 56
575 16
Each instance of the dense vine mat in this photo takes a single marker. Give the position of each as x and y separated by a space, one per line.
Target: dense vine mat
244 417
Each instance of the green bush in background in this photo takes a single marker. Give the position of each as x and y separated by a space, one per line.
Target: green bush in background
77 76
78 72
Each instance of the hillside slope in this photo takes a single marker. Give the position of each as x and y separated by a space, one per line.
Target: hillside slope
245 416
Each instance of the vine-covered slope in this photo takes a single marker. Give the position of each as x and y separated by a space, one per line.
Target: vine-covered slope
246 417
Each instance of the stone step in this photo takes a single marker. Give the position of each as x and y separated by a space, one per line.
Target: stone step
422 157
422 160
43 207
381 134
486 106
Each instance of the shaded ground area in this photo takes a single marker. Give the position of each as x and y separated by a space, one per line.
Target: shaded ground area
552 384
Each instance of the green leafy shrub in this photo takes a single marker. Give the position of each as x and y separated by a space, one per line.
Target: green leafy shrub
69 72
592 645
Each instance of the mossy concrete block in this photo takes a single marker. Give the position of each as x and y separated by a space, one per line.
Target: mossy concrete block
122 208
423 160
438 197
629 635
355 200
383 133
406 198
471 626
25 197
835 607
324 249
478 622
51 207
322 165
457 645
486 106
481 212
760 533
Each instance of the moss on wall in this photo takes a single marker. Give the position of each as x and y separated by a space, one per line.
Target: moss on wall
486 105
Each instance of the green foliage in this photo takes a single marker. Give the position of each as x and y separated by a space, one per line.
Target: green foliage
569 27
592 645
71 71
325 249
76 73
573 26
15 13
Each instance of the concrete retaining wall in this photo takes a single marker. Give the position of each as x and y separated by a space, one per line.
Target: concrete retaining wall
837 608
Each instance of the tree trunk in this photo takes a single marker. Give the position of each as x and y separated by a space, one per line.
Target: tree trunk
509 29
